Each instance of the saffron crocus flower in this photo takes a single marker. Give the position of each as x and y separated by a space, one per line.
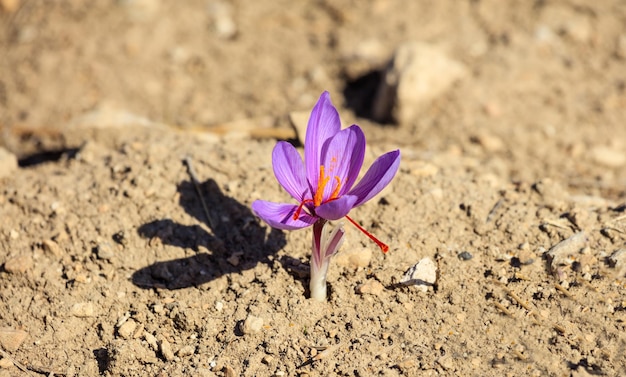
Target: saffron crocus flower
324 184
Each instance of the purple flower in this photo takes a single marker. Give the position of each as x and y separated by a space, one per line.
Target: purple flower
324 184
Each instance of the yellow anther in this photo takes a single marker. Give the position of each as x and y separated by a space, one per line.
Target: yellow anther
321 184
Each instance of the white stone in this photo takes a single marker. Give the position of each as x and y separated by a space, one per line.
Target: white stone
422 274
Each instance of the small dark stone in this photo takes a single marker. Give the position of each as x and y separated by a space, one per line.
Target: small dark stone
465 255
515 262
120 237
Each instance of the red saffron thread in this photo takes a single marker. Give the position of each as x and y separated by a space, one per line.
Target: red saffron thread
382 246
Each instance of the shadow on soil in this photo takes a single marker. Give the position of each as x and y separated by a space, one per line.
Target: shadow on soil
236 241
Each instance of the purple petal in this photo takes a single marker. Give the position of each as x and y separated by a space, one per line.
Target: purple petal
377 177
336 209
342 157
323 124
289 170
280 215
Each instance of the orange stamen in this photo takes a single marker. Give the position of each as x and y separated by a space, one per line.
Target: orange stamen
319 193
335 193
321 184
382 246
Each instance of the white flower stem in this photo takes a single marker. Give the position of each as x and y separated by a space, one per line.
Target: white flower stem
317 285
325 245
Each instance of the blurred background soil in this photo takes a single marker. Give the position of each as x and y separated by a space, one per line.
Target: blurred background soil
511 121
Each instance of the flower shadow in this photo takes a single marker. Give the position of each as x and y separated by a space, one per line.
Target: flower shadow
234 240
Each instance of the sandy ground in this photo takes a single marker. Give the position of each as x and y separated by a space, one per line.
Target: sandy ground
110 265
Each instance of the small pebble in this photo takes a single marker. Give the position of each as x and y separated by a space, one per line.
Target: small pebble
187 350
371 286
166 349
219 306
127 329
105 251
53 248
151 340
82 278
234 259
11 339
19 264
465 255
252 324
83 310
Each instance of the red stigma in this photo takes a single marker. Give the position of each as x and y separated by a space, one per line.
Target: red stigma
383 247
